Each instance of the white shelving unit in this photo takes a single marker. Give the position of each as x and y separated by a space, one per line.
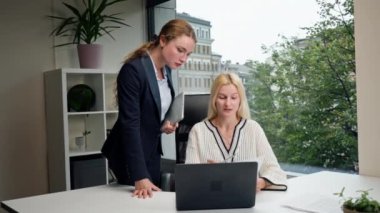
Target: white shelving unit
63 126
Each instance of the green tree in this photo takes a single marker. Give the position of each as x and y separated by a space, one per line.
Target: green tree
305 98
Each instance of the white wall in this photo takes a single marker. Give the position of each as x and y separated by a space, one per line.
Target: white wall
26 51
367 44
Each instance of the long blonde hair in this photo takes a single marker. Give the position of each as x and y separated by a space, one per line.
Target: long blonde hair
171 30
224 79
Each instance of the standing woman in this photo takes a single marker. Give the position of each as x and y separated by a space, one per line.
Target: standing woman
144 94
229 135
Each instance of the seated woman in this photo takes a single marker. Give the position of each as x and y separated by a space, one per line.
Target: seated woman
229 135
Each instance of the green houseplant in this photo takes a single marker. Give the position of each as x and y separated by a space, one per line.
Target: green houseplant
87 23
363 203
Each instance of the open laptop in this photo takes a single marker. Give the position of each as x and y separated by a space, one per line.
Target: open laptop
215 186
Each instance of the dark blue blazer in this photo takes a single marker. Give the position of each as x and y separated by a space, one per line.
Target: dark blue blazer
134 142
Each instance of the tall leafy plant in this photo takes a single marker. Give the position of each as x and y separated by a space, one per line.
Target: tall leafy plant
88 23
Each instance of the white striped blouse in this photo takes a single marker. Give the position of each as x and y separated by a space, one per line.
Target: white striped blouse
249 143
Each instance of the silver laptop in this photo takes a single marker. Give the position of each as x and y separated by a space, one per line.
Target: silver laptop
215 186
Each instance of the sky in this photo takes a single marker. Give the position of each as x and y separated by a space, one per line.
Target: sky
241 27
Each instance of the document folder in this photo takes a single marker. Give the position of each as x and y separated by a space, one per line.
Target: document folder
176 111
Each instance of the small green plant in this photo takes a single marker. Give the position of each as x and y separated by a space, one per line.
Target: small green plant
363 203
86 132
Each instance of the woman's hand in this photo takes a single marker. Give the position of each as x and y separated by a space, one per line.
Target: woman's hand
211 161
261 184
144 188
169 127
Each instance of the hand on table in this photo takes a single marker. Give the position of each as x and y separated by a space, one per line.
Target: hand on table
144 188
261 184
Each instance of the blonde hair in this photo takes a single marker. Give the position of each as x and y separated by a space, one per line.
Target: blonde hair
171 30
224 79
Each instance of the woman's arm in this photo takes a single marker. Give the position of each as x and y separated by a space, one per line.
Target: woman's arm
270 170
192 149
128 93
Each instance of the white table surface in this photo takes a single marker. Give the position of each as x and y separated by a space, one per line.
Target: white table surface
117 198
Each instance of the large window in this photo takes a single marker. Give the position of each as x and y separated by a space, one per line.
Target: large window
299 73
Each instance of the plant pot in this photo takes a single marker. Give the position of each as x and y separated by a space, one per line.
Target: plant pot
90 56
348 210
345 210
81 143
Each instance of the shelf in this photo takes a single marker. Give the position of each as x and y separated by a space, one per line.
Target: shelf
94 123
111 112
93 80
80 153
65 125
85 113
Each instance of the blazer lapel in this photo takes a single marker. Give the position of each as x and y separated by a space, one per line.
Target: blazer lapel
152 79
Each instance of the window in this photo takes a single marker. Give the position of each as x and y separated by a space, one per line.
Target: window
301 84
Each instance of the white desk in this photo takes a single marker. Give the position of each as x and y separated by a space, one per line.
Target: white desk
116 198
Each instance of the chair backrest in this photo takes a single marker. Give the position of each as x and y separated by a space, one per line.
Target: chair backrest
196 106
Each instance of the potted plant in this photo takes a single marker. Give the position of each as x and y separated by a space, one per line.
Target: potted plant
85 25
360 204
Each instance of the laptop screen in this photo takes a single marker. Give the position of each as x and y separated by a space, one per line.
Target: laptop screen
215 186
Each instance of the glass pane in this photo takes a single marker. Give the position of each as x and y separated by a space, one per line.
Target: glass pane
297 61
